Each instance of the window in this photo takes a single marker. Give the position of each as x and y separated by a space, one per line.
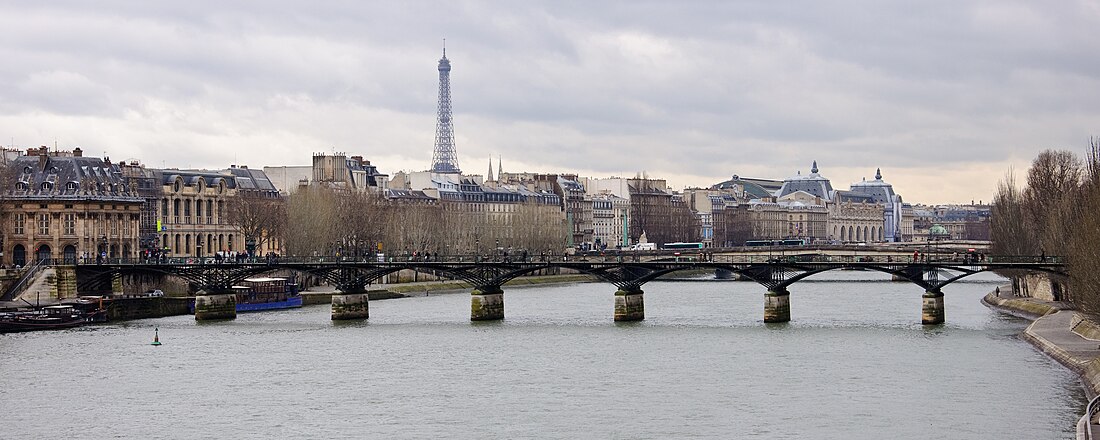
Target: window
20 220
69 224
44 224
164 208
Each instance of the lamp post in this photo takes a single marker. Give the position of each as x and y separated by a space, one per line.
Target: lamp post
496 249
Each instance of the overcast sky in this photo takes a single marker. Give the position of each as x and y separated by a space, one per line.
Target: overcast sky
944 96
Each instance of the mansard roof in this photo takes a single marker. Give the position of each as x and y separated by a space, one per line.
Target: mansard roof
882 192
814 184
67 177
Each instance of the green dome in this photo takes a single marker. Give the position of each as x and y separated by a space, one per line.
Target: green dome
938 230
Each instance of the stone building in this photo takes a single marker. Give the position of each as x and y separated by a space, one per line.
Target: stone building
853 217
484 217
335 171
609 221
196 209
576 203
59 205
898 216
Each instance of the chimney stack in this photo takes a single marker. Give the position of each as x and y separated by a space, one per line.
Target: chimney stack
77 152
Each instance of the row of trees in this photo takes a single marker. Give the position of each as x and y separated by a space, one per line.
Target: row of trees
1055 213
320 221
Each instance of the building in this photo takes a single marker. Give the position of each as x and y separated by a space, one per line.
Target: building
201 211
897 222
336 171
64 206
483 217
610 228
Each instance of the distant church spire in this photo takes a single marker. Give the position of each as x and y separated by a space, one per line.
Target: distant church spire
489 176
500 167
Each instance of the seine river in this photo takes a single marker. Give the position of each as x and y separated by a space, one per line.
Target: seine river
854 363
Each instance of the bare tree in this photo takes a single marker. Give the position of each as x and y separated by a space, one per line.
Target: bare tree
361 219
1052 187
260 218
1011 229
311 222
1083 252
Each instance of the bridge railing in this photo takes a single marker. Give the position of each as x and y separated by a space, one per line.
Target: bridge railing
604 257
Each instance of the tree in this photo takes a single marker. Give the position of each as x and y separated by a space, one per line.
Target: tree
1053 182
361 219
311 222
1083 250
260 218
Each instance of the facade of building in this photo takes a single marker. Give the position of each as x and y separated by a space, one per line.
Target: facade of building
197 214
610 215
787 220
62 206
484 217
336 171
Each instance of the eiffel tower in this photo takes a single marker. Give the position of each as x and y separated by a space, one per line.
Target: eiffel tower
444 158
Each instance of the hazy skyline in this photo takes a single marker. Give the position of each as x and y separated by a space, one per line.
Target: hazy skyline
944 96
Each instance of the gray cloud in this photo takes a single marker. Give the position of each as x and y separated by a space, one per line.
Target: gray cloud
695 90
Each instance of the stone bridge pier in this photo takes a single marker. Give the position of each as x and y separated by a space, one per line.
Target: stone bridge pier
777 305
629 304
210 306
932 311
348 306
487 303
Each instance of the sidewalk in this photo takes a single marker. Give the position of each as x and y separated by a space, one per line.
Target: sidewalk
1052 332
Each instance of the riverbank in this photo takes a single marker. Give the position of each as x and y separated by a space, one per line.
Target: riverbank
1060 332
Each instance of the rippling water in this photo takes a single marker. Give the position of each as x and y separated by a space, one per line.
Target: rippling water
853 363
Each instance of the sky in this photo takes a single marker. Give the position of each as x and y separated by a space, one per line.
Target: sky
944 96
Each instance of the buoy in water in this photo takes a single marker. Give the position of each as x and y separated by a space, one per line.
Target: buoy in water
156 336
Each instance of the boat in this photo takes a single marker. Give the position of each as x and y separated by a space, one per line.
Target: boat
44 318
267 293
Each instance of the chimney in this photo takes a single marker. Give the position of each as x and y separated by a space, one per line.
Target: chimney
77 152
357 159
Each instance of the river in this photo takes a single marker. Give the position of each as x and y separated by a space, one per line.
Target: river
854 363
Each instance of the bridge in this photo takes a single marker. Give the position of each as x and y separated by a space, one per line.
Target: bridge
213 280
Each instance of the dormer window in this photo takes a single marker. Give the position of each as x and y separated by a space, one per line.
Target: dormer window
53 170
46 186
27 170
22 186
71 186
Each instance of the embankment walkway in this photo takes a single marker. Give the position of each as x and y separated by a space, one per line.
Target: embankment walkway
1058 330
